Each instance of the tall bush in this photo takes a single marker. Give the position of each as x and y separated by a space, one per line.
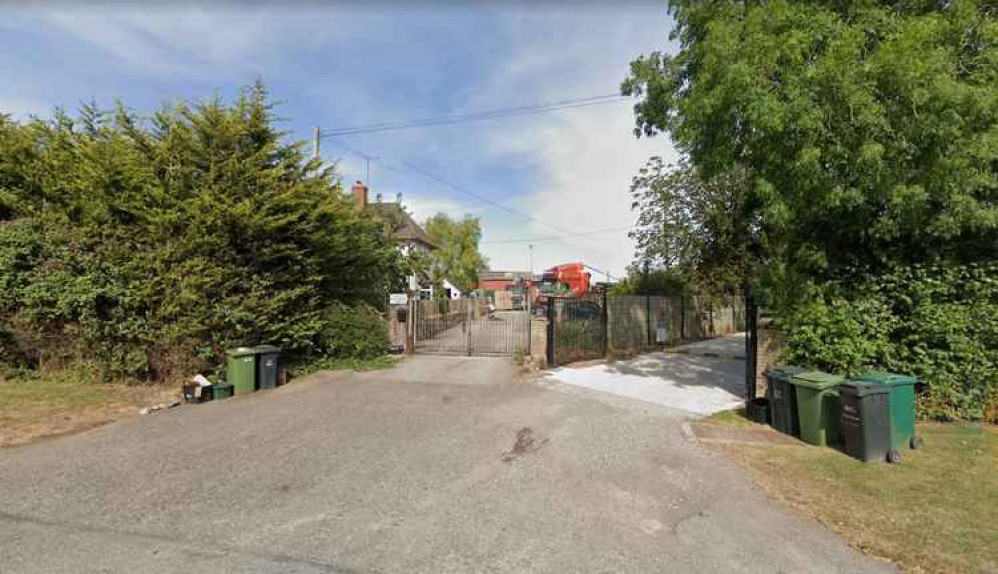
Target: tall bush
936 322
152 244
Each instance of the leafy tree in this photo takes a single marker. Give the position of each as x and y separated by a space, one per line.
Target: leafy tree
869 127
645 281
700 230
868 132
457 259
154 243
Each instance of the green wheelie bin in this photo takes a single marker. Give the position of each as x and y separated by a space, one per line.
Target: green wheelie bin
901 407
240 370
783 398
818 407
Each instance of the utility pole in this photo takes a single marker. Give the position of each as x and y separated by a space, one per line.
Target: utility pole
531 247
315 143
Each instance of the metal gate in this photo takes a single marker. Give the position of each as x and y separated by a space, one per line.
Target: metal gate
464 327
577 328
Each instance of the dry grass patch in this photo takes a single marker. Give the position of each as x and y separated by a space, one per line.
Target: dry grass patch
936 512
51 404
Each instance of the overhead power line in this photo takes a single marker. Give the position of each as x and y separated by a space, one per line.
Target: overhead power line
476 116
460 189
486 200
558 237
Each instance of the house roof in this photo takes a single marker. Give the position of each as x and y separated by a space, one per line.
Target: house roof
406 228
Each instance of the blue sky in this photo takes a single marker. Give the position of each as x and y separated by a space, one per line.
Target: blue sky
343 65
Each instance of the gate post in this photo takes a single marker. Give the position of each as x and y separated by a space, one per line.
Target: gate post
550 328
530 325
469 319
648 321
682 318
751 346
410 330
606 325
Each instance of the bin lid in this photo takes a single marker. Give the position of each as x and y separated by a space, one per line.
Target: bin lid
266 349
816 380
885 378
240 352
784 371
863 388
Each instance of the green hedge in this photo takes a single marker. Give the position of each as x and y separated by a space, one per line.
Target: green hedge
938 323
355 332
151 244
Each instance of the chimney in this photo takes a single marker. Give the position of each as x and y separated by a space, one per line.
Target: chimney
359 191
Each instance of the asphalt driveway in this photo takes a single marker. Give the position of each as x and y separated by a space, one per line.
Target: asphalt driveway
440 465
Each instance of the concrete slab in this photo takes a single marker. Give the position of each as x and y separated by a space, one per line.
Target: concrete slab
728 347
690 381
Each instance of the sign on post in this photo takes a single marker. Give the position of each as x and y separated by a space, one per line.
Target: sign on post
398 299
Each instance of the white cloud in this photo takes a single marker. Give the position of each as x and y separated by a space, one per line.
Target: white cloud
423 207
571 169
174 41
584 158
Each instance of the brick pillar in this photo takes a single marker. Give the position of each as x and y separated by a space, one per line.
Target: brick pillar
539 342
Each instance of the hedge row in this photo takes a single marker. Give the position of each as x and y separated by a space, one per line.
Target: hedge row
938 323
152 244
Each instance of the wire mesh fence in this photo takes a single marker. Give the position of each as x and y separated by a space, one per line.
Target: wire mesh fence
590 327
576 328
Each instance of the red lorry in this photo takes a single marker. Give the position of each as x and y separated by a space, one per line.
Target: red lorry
568 280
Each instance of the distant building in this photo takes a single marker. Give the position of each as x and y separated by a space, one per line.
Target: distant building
503 280
452 291
408 235
508 289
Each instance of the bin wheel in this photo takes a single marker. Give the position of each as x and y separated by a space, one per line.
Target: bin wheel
917 442
893 456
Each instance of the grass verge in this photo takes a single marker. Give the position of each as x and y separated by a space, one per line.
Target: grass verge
47 404
935 512
372 364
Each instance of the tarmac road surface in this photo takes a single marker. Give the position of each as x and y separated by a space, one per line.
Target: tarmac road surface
443 464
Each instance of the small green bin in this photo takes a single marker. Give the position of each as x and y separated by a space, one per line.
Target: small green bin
222 391
818 407
240 371
901 407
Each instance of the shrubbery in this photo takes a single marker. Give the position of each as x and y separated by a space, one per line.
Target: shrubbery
938 323
865 132
152 244
358 332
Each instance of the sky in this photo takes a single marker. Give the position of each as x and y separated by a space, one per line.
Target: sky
545 176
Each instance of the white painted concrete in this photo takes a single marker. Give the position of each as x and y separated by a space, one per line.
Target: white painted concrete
689 382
